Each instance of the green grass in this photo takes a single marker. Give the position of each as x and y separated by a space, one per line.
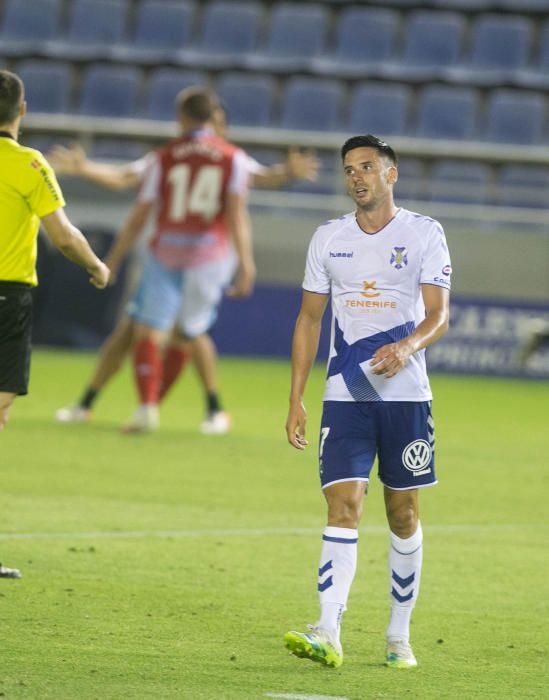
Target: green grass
170 565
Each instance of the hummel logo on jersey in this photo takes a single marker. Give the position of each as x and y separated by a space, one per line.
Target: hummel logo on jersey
341 255
369 289
399 257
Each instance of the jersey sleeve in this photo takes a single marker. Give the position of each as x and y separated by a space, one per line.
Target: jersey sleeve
139 167
45 196
436 267
316 275
240 174
150 185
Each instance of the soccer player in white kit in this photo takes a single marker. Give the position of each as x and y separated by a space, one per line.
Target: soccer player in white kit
387 271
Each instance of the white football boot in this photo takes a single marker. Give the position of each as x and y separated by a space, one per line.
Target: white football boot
217 423
73 414
144 420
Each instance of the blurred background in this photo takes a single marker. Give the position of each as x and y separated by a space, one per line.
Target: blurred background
458 87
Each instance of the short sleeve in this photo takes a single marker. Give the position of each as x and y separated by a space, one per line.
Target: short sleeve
436 267
240 174
45 196
139 167
150 186
316 277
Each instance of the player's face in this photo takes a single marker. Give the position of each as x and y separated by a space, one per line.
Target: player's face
369 177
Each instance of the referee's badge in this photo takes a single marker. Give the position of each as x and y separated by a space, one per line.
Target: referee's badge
399 257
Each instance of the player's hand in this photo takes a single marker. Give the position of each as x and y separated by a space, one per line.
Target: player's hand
295 425
99 275
390 359
67 161
245 280
302 165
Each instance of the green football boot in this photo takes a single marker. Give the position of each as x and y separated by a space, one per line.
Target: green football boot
400 654
316 645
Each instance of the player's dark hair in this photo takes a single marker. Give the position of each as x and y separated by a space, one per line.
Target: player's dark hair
197 103
11 96
369 141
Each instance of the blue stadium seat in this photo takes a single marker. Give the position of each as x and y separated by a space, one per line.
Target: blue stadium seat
380 108
313 104
464 4
297 34
94 27
365 39
229 32
460 182
433 41
410 183
118 149
248 98
515 116
162 27
47 85
523 186
536 75
27 25
500 45
110 91
448 112
164 86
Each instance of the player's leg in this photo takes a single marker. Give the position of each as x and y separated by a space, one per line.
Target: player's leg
406 464
153 310
174 360
201 295
6 400
346 456
113 352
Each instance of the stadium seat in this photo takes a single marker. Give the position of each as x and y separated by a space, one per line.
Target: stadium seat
460 182
536 75
410 184
433 41
365 39
297 34
515 116
162 27
27 25
311 103
523 186
118 150
47 85
464 4
164 86
94 27
380 108
500 45
229 31
447 112
110 91
248 98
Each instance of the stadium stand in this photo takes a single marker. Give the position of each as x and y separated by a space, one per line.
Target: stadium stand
523 186
447 112
366 37
110 91
380 108
47 85
94 27
247 98
162 27
27 26
229 32
312 104
515 116
297 33
458 182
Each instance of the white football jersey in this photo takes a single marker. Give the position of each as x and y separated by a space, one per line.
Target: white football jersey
375 283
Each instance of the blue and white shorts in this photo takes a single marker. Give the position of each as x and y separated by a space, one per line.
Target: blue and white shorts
188 298
400 433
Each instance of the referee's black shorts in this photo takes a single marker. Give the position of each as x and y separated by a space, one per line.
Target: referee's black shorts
15 336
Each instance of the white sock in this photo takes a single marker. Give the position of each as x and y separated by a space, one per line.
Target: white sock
335 575
405 558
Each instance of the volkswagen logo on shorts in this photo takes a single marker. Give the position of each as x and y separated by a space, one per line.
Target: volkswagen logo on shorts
416 457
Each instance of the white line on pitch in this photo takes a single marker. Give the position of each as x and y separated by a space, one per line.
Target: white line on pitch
253 532
296 696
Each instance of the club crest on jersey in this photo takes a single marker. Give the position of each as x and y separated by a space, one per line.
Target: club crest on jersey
399 257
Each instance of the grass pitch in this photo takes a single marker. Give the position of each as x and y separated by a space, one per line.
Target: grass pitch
170 565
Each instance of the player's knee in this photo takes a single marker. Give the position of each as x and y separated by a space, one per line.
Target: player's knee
345 513
403 520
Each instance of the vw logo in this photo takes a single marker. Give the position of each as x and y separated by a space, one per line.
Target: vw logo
417 455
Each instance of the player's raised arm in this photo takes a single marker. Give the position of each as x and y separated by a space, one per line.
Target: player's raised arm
71 242
304 350
299 165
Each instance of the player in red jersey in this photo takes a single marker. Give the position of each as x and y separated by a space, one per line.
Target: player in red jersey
198 184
